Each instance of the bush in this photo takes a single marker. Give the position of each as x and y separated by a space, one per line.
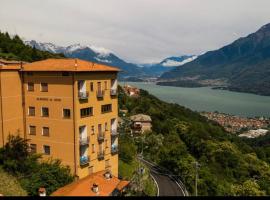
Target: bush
32 173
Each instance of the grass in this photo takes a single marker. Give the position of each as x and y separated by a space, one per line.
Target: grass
127 171
9 186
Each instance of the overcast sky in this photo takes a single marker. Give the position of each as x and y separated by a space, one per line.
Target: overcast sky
136 30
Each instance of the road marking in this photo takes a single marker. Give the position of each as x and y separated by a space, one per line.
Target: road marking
155 183
169 175
179 186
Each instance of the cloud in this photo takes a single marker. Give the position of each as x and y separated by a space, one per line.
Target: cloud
137 30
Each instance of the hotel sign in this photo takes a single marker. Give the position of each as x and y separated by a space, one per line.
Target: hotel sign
48 99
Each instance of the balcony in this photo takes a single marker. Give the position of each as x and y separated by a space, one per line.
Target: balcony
84 160
113 92
84 141
100 155
83 95
100 93
100 136
114 149
114 132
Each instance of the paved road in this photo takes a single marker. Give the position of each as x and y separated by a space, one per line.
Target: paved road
167 186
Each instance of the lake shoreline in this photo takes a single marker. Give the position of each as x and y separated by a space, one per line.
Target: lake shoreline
210 100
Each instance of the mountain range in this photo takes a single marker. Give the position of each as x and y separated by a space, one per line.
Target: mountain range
130 71
243 66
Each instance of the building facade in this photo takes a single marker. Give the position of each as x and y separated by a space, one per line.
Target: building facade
67 108
140 124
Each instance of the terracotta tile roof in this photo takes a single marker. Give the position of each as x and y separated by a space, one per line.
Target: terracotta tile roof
9 62
68 64
141 118
122 185
10 67
83 186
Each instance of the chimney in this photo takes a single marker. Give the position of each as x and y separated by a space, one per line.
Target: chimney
42 192
95 188
108 175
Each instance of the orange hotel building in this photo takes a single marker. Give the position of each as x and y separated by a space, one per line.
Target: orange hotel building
68 109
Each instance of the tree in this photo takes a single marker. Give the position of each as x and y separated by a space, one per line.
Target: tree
248 188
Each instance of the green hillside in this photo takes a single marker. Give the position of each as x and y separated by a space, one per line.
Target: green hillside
9 186
228 165
244 64
13 48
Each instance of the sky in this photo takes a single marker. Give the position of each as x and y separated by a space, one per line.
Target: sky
140 31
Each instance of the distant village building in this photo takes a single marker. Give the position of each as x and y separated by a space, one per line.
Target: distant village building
131 91
140 123
254 133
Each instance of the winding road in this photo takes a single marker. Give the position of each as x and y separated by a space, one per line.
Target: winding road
167 185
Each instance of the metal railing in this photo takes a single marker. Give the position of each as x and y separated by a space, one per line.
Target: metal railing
84 160
114 149
114 132
83 95
100 155
100 136
113 92
100 93
84 141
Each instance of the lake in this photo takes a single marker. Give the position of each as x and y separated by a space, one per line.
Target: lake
207 99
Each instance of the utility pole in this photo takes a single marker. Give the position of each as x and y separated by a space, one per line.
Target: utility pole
197 165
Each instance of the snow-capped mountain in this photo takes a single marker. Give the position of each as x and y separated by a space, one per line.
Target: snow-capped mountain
105 56
91 53
156 69
177 61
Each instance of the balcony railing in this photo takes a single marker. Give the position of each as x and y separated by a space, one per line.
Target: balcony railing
100 136
114 149
84 141
114 132
84 160
113 92
100 155
83 95
100 93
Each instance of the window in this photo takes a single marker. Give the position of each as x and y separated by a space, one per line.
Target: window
45 112
106 85
44 87
30 87
46 150
106 143
86 112
65 74
99 129
32 130
99 86
33 148
107 163
93 129
66 113
106 108
45 131
106 126
93 148
92 86
31 111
